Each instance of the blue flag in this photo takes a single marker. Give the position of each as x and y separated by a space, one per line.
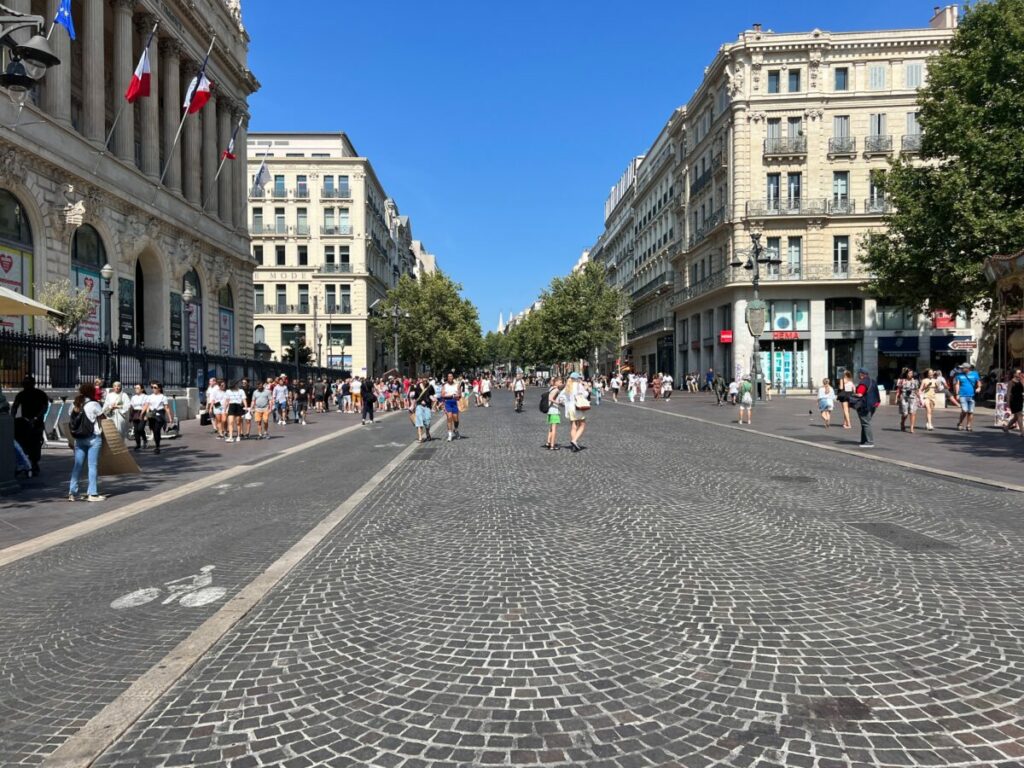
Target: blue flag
63 18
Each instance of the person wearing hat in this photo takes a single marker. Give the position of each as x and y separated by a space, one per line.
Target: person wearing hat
966 384
865 400
746 396
577 403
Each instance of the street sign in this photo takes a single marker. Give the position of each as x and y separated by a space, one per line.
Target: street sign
963 344
756 316
725 337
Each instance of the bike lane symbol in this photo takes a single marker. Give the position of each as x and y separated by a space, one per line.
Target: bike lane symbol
191 592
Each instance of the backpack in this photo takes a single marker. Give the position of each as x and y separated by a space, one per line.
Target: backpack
80 425
545 402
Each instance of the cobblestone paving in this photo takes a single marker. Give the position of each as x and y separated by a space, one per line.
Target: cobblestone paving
676 595
65 653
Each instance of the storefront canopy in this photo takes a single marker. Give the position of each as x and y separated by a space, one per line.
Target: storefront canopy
14 303
898 346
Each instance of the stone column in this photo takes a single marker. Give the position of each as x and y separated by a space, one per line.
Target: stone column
94 126
170 63
191 144
149 107
57 81
240 171
124 66
224 196
210 154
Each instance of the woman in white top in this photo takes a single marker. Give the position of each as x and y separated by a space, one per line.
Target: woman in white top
236 403
157 412
826 401
577 403
138 408
116 407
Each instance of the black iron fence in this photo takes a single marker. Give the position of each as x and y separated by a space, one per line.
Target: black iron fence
59 363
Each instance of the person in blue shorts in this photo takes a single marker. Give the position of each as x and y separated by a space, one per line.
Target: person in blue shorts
966 384
451 393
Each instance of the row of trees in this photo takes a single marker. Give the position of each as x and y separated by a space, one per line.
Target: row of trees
966 201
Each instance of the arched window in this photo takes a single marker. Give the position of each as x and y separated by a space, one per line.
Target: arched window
195 315
87 258
259 335
15 254
226 316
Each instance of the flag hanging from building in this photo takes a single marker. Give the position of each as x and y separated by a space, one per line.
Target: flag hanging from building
63 18
198 92
229 153
139 86
262 176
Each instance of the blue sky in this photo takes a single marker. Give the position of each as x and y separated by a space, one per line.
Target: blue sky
499 127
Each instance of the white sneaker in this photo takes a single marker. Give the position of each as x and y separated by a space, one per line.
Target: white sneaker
303 421
449 437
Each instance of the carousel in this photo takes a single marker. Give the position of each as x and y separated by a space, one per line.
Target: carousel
1007 274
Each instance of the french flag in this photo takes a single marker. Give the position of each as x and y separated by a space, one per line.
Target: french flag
139 86
198 93
229 153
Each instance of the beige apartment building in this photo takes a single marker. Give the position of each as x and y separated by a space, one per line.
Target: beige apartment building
68 207
328 242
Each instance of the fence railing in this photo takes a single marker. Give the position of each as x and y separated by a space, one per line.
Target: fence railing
58 363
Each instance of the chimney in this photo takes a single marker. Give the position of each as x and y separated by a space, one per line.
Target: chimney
945 18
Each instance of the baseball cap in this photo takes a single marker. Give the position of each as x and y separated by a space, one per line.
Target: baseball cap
575 375
865 371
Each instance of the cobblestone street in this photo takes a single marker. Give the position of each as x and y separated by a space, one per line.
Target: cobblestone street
678 594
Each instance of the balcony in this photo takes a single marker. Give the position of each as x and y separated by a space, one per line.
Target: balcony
785 272
256 193
785 146
282 308
842 205
700 182
719 162
911 143
709 283
877 205
257 229
342 268
335 308
343 193
789 207
301 230
301 192
877 145
662 325
336 230
663 280
710 223
842 145
279 193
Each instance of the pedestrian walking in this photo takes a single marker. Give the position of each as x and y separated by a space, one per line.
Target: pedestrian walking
746 395
280 394
29 411
157 413
826 401
667 383
577 404
966 384
846 390
236 405
865 401
549 403
907 392
246 423
1015 403
643 386
117 407
451 394
137 417
709 379
259 408
87 434
369 400
734 391
423 396
616 384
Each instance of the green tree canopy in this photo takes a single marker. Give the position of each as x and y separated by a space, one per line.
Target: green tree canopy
966 201
437 326
580 313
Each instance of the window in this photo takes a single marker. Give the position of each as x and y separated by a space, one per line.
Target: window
279 190
257 254
303 256
842 82
301 186
303 299
841 255
328 186
330 299
259 298
281 298
773 80
329 218
343 221
345 293
794 127
259 335
328 254
772 190
844 314
301 222
876 124
841 126
892 318
339 334
794 80
795 254
841 190
257 219
279 225
279 255
774 127
771 251
876 77
794 183
913 124
343 188
913 74
289 336
14 224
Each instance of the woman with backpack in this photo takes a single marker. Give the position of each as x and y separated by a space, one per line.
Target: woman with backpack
549 405
87 434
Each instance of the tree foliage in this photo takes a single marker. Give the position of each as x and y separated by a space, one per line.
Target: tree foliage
437 326
305 354
966 201
495 349
75 306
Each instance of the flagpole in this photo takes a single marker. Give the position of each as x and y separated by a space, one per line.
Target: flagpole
120 109
184 113
223 159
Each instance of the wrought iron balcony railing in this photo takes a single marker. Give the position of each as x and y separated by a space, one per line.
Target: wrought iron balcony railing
336 230
787 207
841 145
878 145
911 142
785 145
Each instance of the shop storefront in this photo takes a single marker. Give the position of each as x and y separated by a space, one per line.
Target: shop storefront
945 359
844 352
785 359
894 354
666 358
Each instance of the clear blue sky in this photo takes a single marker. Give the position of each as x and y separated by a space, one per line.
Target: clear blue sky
499 127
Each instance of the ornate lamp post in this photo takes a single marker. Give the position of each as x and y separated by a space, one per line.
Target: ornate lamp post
757 310
107 272
29 60
296 330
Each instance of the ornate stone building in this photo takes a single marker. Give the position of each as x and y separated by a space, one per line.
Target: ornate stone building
68 205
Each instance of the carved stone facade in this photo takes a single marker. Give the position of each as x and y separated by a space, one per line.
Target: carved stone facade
68 187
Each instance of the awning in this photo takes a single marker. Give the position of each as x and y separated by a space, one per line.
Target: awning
898 346
14 303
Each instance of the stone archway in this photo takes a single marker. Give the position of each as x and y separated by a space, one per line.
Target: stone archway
152 297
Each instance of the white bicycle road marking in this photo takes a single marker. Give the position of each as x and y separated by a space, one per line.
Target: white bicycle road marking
191 592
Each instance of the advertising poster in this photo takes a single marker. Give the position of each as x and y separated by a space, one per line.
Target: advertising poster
782 370
176 322
1002 405
800 368
337 361
88 281
195 324
126 311
16 274
227 332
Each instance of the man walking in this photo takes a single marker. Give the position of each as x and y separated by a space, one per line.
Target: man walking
29 410
966 384
865 400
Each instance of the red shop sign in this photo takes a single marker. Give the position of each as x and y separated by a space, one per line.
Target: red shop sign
725 337
942 319
785 335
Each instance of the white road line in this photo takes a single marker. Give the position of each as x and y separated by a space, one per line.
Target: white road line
96 736
860 454
71 532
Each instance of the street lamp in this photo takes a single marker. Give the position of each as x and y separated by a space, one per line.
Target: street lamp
186 297
757 310
107 272
29 60
296 330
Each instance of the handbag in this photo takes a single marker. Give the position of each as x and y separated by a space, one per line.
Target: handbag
204 419
581 403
